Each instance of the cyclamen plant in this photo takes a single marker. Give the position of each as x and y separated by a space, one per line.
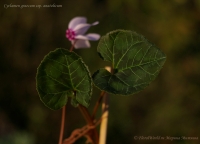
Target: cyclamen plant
62 75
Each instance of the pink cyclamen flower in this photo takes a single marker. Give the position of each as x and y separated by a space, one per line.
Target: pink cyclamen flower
76 32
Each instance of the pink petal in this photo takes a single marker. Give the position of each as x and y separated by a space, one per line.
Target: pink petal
81 37
95 23
76 21
82 44
93 36
83 27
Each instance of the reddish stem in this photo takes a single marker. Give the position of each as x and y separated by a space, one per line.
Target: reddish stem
62 125
72 47
98 103
89 120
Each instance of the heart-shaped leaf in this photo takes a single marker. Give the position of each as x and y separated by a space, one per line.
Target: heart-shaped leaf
135 62
63 74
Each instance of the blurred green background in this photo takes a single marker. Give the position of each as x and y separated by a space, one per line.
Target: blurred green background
170 106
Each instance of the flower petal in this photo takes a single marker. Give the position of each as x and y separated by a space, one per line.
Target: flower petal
92 36
81 44
83 27
76 21
81 37
95 23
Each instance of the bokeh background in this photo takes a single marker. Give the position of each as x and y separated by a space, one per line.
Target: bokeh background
170 106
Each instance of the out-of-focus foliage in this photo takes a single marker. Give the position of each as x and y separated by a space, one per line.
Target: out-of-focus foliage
170 106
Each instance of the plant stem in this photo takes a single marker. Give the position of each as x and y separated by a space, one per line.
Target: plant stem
63 113
85 114
98 103
72 47
89 120
104 122
62 125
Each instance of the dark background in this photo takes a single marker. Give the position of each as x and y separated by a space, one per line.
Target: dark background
170 106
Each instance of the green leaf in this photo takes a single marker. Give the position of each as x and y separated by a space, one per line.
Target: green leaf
135 61
63 74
